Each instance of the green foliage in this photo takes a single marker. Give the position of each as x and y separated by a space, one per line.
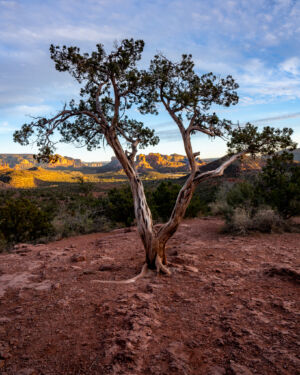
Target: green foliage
279 185
267 142
21 221
265 202
163 199
242 194
119 206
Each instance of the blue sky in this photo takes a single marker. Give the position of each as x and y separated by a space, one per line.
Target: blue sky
257 42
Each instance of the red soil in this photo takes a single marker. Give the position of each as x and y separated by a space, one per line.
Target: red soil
230 307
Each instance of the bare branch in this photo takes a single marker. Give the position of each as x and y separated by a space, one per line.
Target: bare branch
117 102
98 106
218 171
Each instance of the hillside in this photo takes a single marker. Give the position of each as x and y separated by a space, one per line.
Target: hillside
26 161
36 176
154 162
297 154
245 165
229 307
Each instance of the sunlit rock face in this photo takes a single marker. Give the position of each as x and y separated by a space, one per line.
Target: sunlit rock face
3 165
163 163
27 161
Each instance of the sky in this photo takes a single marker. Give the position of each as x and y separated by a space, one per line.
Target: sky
257 42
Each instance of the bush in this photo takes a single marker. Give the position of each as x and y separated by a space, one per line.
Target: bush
22 221
239 222
263 220
279 185
266 220
163 200
119 206
79 215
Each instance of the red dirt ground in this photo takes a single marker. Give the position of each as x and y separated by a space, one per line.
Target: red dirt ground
231 306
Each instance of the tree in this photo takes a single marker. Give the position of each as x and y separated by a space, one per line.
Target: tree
279 185
112 86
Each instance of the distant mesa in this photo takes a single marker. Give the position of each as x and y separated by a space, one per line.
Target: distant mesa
27 161
145 163
163 163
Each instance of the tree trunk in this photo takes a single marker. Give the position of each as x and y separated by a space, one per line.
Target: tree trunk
144 221
183 200
141 209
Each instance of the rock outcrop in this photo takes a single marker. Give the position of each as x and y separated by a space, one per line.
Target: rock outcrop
163 163
27 161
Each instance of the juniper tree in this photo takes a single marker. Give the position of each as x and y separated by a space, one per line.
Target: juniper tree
112 86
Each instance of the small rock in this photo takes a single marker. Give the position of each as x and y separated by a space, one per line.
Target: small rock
216 370
238 369
20 246
174 253
191 268
56 286
78 258
149 288
76 268
88 272
4 354
27 371
220 341
105 268
4 320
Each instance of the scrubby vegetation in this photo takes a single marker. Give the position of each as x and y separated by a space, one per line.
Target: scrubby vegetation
41 214
263 203
161 199
22 220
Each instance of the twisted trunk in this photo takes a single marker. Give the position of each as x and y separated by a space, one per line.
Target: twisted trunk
141 209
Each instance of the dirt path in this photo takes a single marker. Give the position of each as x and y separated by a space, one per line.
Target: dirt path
230 307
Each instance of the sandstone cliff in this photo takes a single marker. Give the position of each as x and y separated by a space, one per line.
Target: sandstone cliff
163 163
27 161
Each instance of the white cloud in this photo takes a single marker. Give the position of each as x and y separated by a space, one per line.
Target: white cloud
32 109
5 127
291 65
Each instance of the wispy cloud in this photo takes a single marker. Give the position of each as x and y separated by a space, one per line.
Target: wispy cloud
291 65
276 118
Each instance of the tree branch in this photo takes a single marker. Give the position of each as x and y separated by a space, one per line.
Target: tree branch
117 102
98 107
218 171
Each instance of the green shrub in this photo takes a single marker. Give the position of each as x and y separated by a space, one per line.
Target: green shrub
263 220
264 203
163 199
266 220
119 206
21 221
239 222
279 185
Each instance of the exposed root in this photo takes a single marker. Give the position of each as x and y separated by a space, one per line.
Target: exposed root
143 272
161 267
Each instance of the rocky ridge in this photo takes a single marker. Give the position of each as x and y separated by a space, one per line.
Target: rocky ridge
27 161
